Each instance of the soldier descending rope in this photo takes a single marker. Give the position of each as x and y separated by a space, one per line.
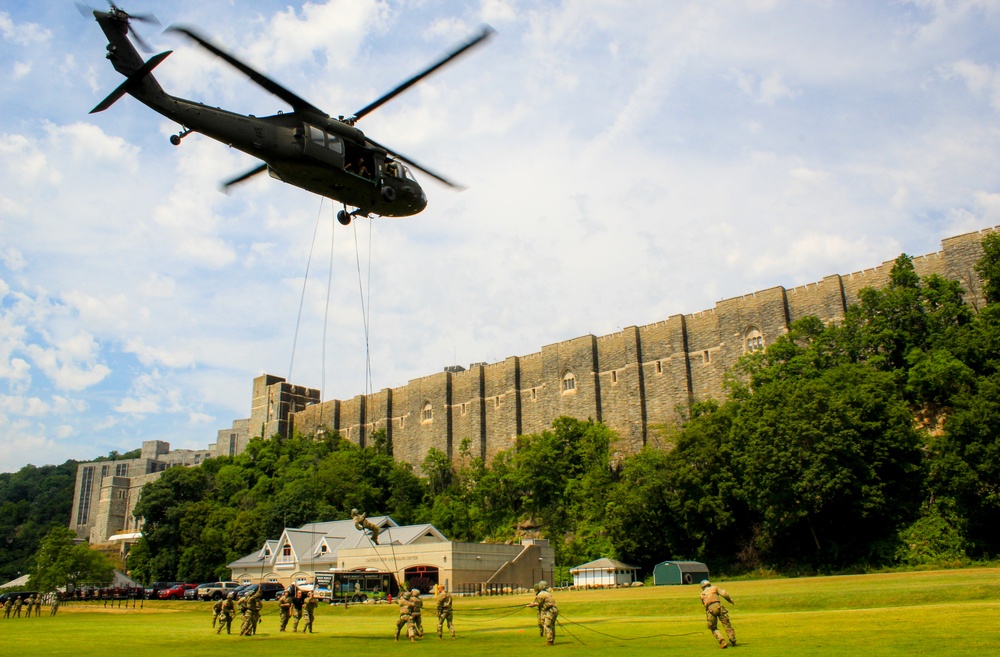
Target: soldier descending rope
362 522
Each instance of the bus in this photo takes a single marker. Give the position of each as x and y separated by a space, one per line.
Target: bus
355 585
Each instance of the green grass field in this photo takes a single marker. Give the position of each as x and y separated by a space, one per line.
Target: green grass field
926 613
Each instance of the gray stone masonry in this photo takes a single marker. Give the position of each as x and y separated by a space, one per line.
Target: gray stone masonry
632 380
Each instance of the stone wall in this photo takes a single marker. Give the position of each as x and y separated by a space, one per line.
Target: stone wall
632 380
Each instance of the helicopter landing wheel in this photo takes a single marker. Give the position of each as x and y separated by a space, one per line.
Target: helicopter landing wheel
344 218
176 139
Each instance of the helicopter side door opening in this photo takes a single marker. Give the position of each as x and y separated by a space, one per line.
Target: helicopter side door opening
323 146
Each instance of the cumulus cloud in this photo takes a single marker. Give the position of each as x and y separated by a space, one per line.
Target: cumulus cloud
22 34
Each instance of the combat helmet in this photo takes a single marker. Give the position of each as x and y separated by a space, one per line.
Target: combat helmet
542 585
354 512
232 595
705 583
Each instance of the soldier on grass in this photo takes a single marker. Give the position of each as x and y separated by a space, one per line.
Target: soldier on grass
284 609
405 617
547 610
715 613
417 613
310 611
216 611
256 605
297 603
227 615
444 611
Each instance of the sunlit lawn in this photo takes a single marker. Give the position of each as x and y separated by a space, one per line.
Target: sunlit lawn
930 613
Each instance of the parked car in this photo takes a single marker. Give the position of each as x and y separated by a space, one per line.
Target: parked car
195 592
271 590
217 590
175 592
153 590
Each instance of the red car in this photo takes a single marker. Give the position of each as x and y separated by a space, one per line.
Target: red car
175 592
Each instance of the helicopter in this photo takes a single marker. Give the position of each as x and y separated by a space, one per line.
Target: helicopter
306 147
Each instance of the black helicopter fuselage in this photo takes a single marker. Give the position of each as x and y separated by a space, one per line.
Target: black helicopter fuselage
309 150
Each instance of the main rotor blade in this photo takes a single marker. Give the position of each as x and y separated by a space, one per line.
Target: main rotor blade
297 103
413 164
243 176
486 33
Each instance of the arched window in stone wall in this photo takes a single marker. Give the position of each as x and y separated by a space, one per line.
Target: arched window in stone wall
569 383
428 413
753 339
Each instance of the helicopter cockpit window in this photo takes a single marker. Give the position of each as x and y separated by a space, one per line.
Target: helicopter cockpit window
316 135
407 174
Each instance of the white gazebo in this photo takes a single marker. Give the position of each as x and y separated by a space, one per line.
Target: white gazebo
603 572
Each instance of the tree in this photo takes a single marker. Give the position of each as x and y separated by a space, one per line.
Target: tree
60 563
832 465
988 267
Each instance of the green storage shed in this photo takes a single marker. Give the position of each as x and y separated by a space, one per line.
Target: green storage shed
679 572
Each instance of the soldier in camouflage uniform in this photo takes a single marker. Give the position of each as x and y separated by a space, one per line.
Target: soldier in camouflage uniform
362 522
546 604
418 605
7 607
55 604
38 605
284 609
246 627
715 613
17 607
256 605
310 610
444 611
227 614
217 611
405 617
29 604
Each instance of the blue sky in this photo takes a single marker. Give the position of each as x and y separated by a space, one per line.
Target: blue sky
625 162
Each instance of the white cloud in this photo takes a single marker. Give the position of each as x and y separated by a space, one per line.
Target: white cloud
151 356
22 34
981 80
70 363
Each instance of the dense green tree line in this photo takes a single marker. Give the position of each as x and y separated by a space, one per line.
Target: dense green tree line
32 501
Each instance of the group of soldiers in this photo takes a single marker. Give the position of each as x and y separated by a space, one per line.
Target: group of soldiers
410 613
15 605
293 604
224 611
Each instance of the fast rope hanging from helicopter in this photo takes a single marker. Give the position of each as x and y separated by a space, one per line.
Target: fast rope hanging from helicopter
365 304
